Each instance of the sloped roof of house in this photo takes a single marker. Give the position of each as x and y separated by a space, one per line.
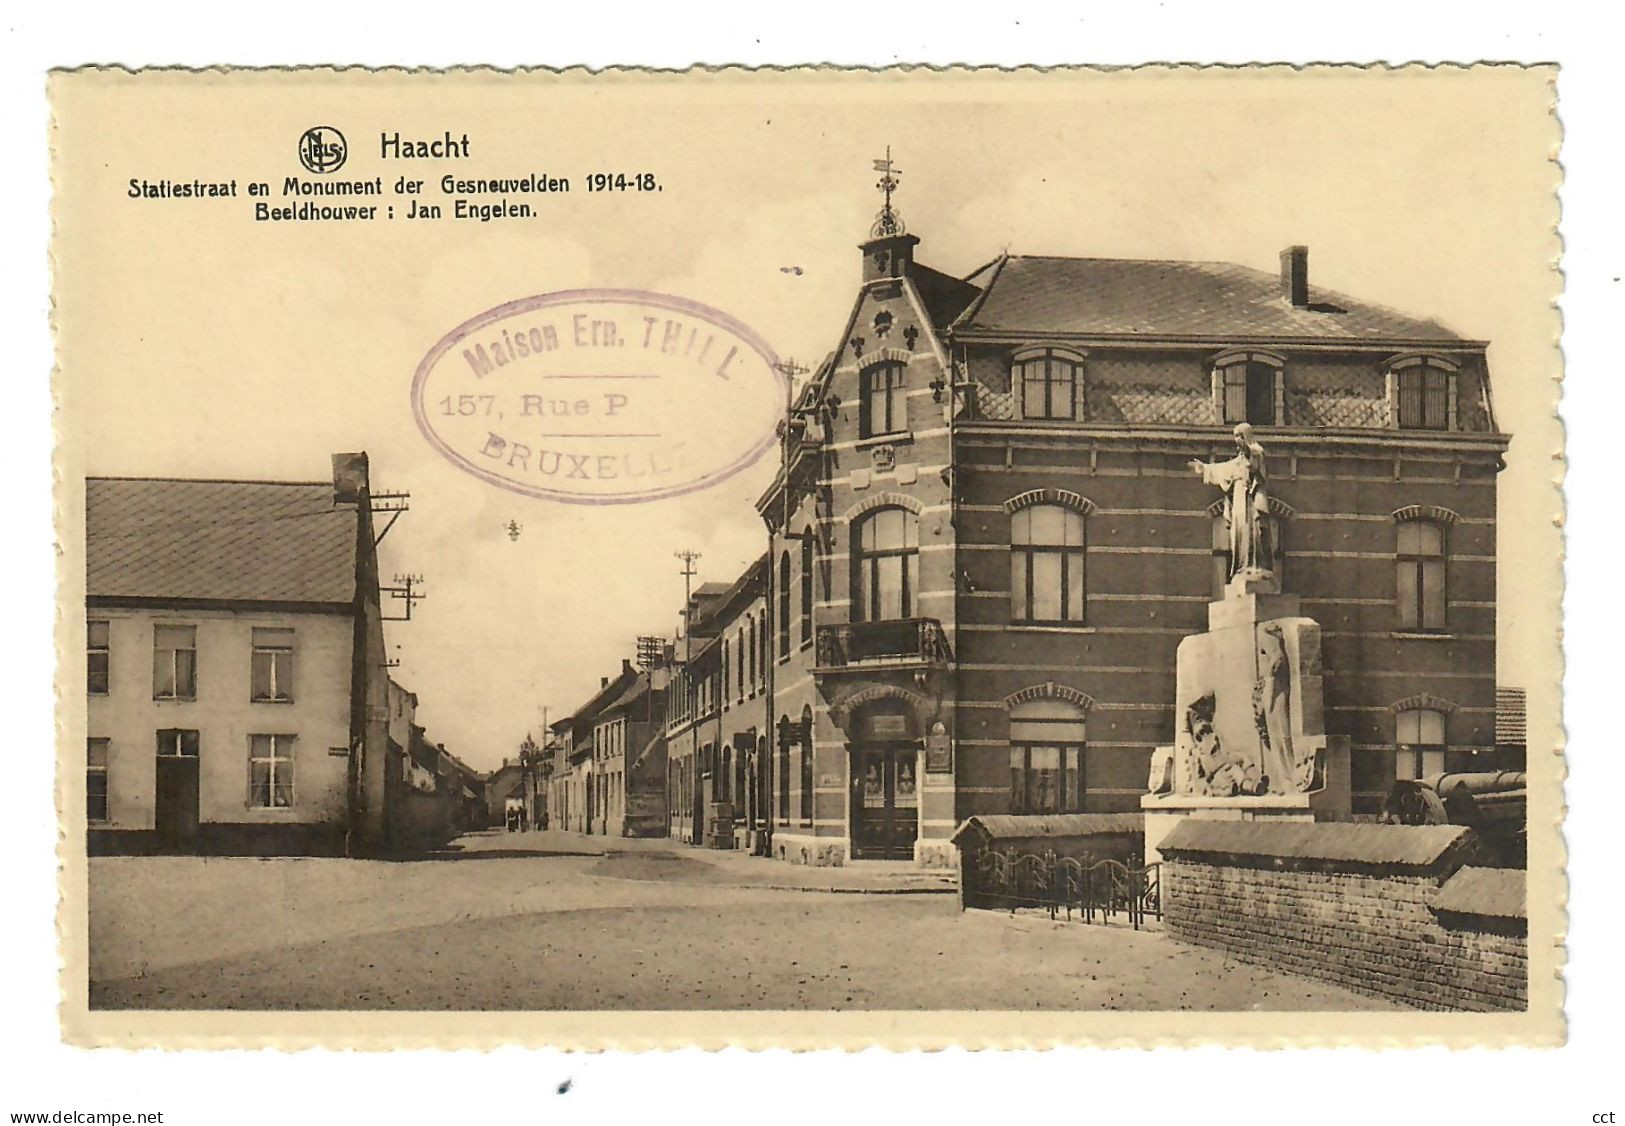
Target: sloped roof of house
1495 892
237 541
1511 718
1166 299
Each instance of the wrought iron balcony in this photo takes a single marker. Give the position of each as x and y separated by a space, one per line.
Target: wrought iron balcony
905 642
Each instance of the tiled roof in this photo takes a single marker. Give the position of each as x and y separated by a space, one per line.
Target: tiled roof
1156 299
1405 846
252 541
1495 892
1511 718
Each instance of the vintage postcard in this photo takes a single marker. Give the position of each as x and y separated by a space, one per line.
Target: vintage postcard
809 557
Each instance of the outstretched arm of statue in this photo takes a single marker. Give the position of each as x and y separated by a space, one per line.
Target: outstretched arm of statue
1222 474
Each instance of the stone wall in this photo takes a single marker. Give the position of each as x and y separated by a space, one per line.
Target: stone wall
1384 910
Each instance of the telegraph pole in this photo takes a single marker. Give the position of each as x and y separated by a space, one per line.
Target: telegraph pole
690 688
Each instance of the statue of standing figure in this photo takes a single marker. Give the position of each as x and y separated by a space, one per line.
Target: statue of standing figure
1246 503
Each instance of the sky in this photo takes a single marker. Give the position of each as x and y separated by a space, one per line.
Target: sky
196 342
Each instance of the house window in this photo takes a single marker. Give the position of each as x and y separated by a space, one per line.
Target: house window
270 771
1047 564
1047 738
806 766
886 565
174 662
1419 743
96 779
1049 385
98 653
884 409
784 605
782 765
722 679
750 624
739 662
1249 392
272 671
1424 395
1420 575
807 587
173 743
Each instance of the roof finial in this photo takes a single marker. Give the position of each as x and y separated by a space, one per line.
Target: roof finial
888 222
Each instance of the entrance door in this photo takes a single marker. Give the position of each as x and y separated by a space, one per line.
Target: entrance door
175 807
885 802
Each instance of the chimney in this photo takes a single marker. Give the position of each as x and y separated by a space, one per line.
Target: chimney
1295 275
349 478
603 682
626 666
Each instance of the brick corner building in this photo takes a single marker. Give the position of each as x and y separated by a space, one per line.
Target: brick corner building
985 542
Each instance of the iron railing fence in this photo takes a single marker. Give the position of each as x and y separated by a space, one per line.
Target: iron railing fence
1096 890
904 639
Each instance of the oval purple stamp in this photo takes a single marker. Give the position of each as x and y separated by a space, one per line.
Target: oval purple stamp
600 396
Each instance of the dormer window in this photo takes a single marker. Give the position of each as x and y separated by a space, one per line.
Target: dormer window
1422 392
1247 387
1048 382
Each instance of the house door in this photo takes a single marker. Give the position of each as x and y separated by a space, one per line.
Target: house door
175 806
885 802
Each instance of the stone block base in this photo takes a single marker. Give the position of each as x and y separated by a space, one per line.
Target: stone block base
804 848
936 853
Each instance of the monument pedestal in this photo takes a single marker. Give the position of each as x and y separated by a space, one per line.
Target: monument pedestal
1331 802
1250 741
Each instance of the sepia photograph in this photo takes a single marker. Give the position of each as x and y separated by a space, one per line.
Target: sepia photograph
809 557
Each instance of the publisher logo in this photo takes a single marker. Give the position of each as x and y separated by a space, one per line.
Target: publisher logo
322 149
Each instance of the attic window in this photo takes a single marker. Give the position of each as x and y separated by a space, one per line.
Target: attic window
1047 382
1248 387
1422 393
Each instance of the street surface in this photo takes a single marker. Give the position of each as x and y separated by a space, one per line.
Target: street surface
558 921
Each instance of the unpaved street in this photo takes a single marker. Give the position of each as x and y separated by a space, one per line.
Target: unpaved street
543 921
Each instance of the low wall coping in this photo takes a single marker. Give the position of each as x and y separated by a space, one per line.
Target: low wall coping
1421 847
1496 893
1018 826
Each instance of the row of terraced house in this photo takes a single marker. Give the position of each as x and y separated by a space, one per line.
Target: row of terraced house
238 692
985 542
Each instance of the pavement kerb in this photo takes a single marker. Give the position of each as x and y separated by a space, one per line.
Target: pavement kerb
946 889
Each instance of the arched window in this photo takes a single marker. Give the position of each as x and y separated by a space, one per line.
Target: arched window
1047 738
1047 564
1420 575
784 605
781 766
884 406
1048 384
1422 393
885 566
807 587
1419 743
750 627
1249 391
806 766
